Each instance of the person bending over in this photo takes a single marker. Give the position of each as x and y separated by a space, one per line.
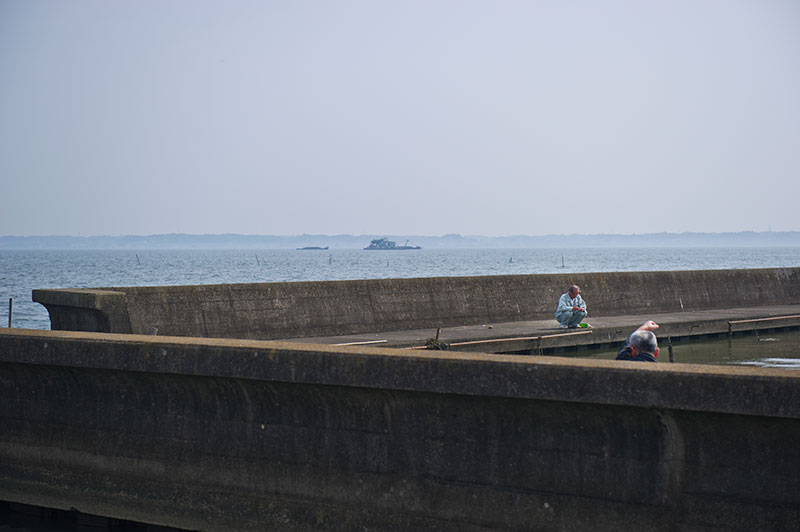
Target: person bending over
571 308
641 345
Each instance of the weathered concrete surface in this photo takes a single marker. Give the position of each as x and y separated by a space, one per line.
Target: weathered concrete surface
334 308
541 336
87 309
213 434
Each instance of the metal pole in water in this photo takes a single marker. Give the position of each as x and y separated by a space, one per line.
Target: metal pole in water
10 305
730 340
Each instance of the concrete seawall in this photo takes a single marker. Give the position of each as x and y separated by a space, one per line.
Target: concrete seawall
329 308
226 435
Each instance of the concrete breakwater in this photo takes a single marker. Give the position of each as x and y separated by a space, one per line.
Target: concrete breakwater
226 435
336 308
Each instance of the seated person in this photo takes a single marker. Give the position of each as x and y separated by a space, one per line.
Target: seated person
571 308
641 345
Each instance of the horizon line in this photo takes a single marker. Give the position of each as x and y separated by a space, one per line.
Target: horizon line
459 235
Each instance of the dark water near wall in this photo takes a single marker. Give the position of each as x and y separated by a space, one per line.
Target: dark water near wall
24 518
766 348
22 271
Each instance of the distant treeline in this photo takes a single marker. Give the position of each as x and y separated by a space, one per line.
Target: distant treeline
451 241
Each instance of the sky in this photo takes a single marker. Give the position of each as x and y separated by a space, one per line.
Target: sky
399 117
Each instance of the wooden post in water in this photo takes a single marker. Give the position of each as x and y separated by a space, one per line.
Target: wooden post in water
669 345
10 305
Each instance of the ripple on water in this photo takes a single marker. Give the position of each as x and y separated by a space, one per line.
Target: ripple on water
782 363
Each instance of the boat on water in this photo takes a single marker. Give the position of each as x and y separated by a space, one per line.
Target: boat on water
386 244
309 248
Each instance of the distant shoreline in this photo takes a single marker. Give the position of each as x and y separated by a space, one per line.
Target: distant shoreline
451 241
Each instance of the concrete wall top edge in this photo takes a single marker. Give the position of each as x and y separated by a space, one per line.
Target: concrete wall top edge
74 296
722 389
465 278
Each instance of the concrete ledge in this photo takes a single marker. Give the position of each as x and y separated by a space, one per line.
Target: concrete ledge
91 310
226 435
546 378
333 308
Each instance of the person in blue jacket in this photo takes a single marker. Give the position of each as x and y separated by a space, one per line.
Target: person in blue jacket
641 345
571 308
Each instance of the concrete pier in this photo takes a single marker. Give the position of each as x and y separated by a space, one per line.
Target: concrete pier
204 431
228 435
406 311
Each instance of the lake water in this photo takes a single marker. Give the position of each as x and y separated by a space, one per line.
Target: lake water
22 271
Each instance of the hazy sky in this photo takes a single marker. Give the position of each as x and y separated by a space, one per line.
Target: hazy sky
399 117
